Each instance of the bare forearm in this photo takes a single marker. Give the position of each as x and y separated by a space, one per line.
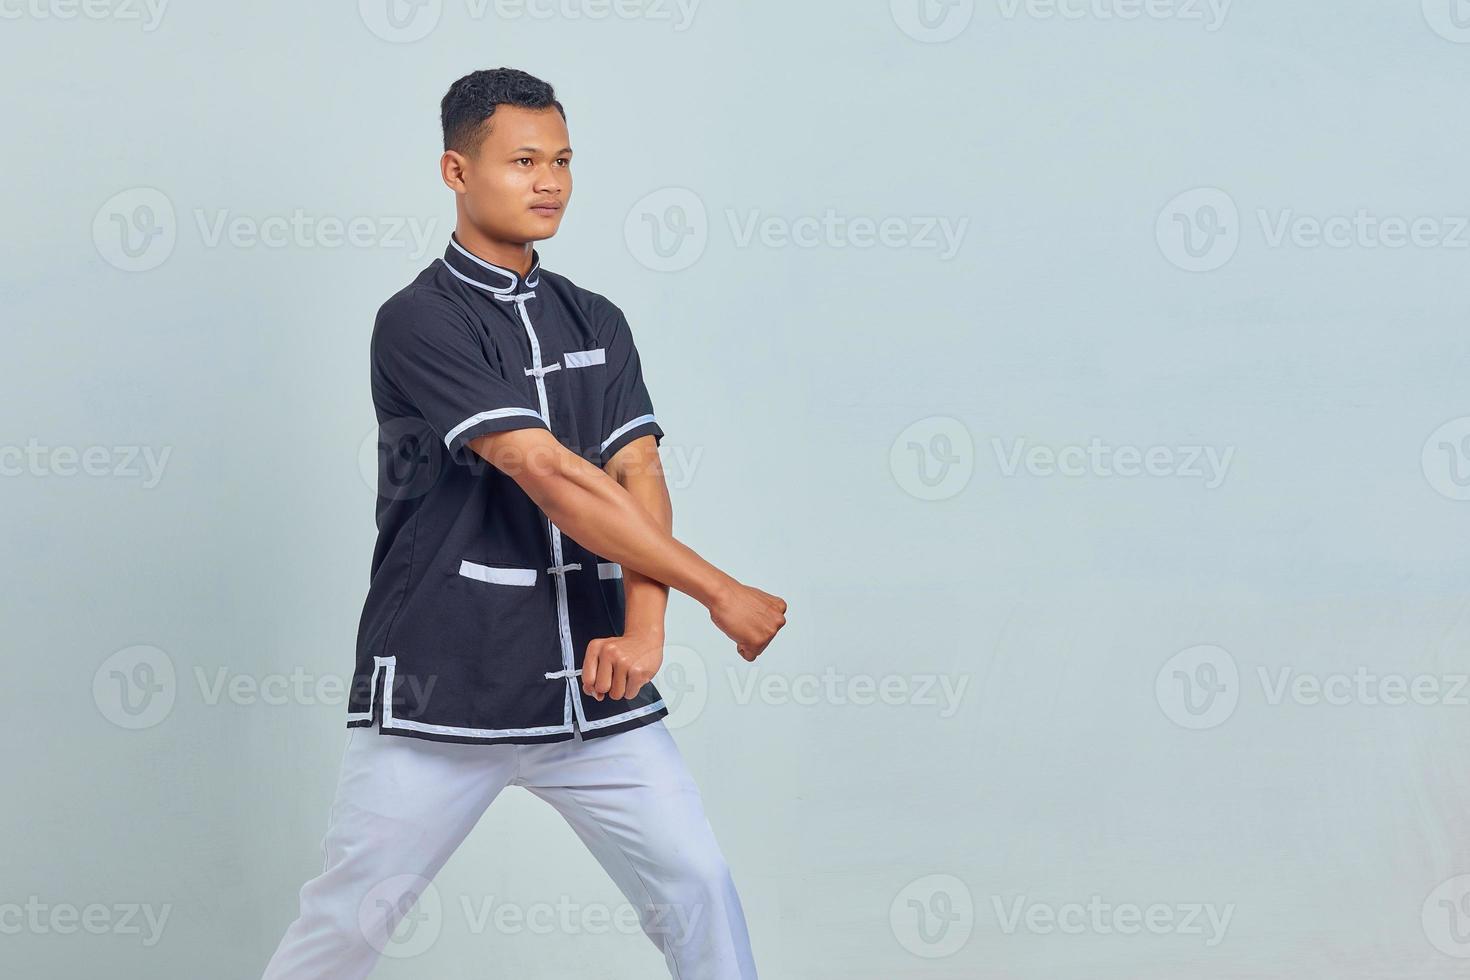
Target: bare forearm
603 517
646 600
589 506
592 508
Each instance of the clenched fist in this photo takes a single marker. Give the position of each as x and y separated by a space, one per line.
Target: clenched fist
750 617
619 666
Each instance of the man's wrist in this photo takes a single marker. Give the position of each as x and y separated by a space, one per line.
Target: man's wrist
715 589
645 629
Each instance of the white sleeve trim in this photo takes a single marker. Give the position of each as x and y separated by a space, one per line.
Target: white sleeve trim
496 413
623 428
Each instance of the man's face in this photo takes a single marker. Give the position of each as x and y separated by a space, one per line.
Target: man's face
516 186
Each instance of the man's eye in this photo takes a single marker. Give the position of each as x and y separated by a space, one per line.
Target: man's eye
524 160
564 162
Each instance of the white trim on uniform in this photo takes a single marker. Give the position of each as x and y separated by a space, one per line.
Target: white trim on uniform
617 719
623 428
498 291
389 663
609 569
604 722
563 613
494 413
585 358
486 265
559 567
497 576
372 690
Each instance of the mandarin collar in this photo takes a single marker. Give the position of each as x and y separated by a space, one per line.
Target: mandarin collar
487 275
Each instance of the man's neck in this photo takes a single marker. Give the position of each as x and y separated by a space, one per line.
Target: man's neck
515 256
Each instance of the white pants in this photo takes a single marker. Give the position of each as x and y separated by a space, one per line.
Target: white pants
403 806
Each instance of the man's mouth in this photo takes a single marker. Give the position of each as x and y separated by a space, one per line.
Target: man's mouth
547 209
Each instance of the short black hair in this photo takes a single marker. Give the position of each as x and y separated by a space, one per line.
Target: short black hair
470 102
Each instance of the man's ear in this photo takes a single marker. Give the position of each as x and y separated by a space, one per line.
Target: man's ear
452 167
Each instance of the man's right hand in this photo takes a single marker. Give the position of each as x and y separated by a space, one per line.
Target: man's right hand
750 617
594 510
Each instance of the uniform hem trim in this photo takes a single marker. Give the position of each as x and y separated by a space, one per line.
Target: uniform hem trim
520 736
566 736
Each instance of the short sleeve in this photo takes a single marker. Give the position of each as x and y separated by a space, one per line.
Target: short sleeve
435 358
628 409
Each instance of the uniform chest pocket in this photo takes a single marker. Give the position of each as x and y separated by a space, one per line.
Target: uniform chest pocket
497 574
578 398
584 358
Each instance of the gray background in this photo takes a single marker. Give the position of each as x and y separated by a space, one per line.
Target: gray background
1134 724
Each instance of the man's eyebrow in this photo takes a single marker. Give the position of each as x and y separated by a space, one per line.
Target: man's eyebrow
537 149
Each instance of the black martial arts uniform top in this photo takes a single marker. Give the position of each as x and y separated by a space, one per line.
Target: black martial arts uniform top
479 610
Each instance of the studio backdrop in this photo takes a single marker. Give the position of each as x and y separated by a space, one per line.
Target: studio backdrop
1090 377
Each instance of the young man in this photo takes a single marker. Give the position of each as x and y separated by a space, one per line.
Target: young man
514 619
